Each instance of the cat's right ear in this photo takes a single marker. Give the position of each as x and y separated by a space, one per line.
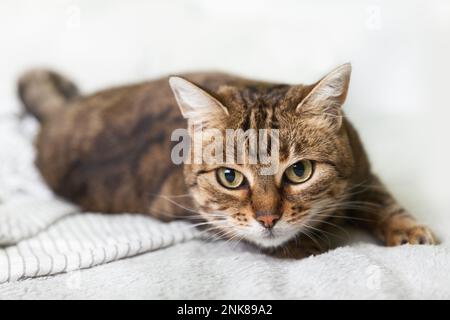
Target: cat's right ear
196 104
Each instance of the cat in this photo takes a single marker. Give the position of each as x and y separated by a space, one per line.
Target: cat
111 152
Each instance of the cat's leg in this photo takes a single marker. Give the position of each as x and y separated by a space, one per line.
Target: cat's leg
388 220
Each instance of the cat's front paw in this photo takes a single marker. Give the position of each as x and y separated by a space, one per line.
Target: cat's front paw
414 235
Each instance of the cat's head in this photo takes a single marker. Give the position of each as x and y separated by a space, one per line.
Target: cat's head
314 159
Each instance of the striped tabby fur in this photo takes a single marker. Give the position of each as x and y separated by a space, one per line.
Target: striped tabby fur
110 152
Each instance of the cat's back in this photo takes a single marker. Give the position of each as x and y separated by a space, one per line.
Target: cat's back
109 151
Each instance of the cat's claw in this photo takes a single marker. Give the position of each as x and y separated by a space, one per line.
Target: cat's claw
415 235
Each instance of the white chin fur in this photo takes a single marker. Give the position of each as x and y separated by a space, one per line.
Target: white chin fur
272 242
281 233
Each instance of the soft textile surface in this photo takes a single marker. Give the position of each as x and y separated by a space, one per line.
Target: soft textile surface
77 241
196 269
54 238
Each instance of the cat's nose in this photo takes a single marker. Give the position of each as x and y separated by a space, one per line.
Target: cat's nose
268 220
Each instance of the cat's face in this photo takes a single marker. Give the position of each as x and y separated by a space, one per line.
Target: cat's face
314 158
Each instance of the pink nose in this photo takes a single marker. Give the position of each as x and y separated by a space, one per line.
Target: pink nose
268 220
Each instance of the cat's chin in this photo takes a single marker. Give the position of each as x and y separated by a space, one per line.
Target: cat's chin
268 241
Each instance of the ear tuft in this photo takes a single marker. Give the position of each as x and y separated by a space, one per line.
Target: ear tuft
195 103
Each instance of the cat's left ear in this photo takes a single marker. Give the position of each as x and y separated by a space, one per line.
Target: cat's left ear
328 96
196 104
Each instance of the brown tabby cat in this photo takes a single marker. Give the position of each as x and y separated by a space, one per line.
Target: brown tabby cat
110 152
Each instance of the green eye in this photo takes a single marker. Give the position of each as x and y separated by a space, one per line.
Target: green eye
299 172
230 178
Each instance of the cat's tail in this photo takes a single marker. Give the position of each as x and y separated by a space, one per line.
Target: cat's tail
44 92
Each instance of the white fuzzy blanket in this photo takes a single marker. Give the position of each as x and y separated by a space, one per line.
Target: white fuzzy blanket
44 238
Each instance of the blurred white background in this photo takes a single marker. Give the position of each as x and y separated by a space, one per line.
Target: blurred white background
400 52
